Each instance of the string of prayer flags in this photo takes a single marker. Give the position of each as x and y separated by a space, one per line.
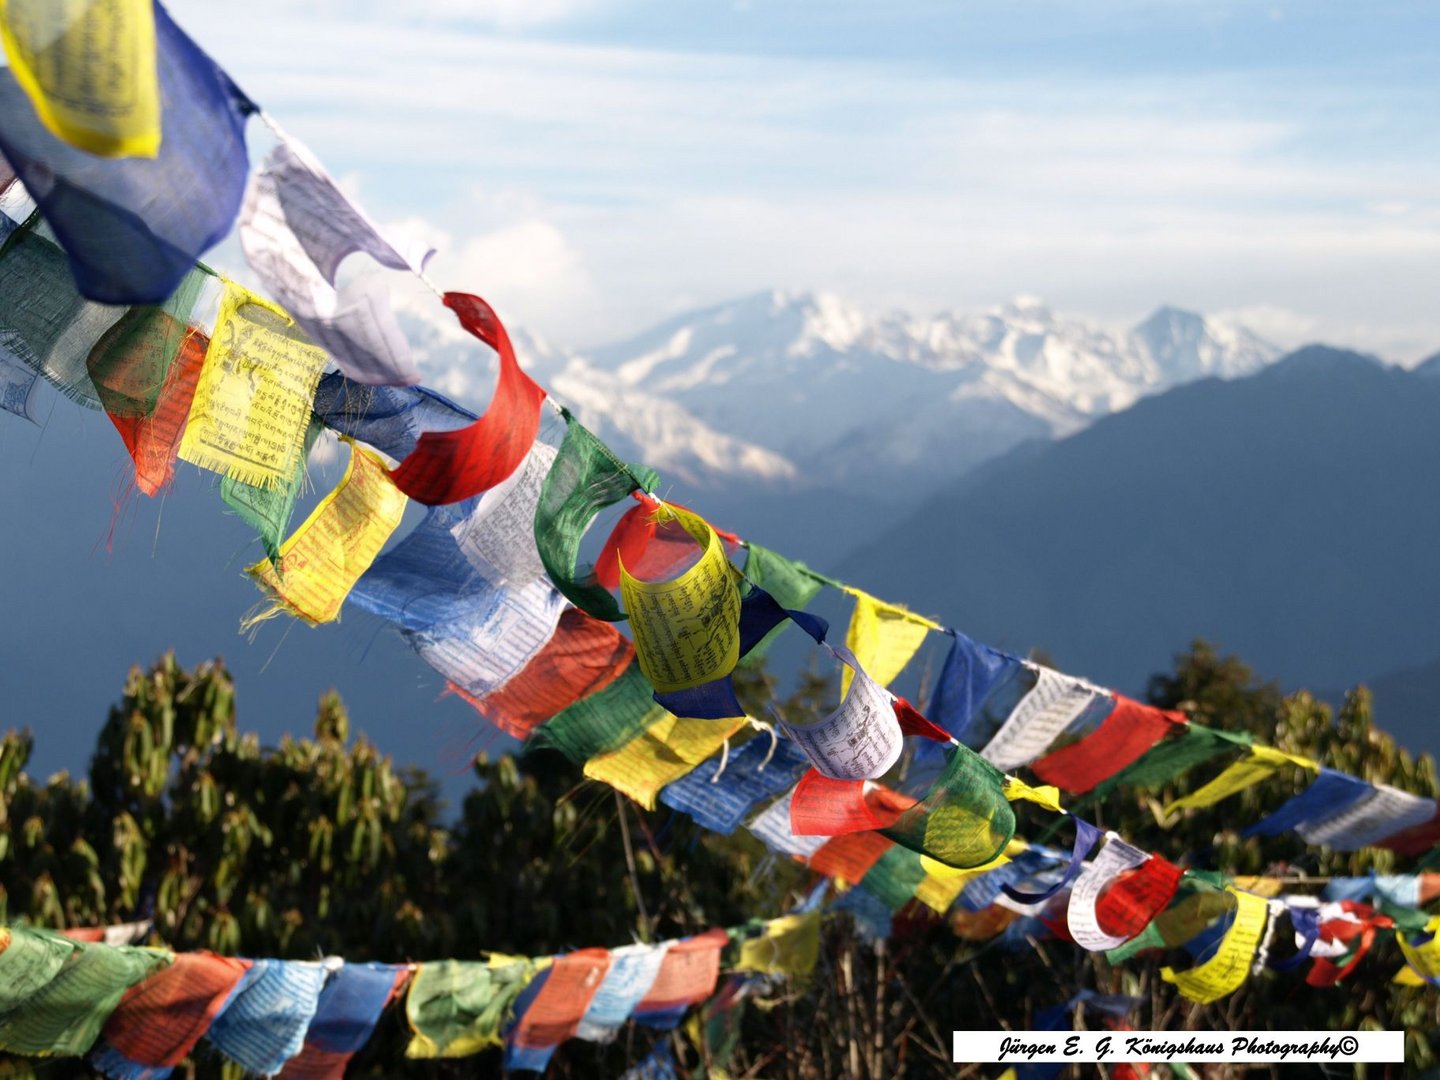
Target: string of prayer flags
859 740
1122 737
585 479
631 974
722 789
555 1013
821 806
448 466
1081 917
582 658
1329 794
687 629
456 1007
296 227
1261 762
64 1014
788 945
687 976
268 510
158 1022
964 820
1223 973
391 419
1052 704
323 559
883 637
133 227
660 755
1382 812
252 404
89 70
970 674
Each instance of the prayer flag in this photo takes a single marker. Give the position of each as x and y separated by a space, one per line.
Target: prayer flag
791 583
895 877
664 752
252 404
604 721
821 806
1081 918
585 479
789 945
1224 972
264 1024
772 828
456 1007
1261 762
964 820
556 1011
29 959
345 1017
324 558
89 70
389 418
448 466
133 227
721 791
1384 811
1128 732
851 856
160 1020
971 673
1329 794
883 638
296 227
1048 709
267 510
859 740
631 974
687 976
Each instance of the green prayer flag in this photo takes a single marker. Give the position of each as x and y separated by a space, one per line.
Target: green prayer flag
791 583
585 478
1149 938
894 877
964 820
29 961
268 510
64 1017
602 722
456 1007
1193 745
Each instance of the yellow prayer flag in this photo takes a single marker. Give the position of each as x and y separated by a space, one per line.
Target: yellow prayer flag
943 883
1046 795
660 755
88 67
790 945
1260 886
883 638
324 557
1425 959
1262 761
687 629
1224 972
1407 976
252 404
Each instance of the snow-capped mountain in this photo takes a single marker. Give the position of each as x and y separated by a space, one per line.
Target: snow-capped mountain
791 390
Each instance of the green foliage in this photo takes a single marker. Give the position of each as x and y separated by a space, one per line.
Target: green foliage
321 845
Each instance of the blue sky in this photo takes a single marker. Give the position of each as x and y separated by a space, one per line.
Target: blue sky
595 165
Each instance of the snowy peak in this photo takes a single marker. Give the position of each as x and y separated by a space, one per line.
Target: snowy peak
1183 347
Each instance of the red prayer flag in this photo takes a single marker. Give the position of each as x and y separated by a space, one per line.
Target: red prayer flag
583 657
850 857
556 1012
448 466
1137 896
650 550
160 1019
687 974
912 722
1129 731
821 806
153 440
1416 840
